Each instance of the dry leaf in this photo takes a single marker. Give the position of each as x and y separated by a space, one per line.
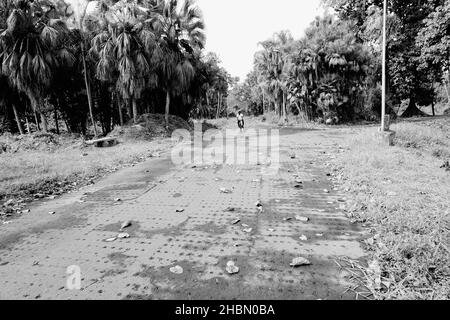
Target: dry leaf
123 235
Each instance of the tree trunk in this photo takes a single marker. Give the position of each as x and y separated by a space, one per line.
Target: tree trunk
135 111
412 109
166 116
55 111
44 121
16 115
88 88
28 125
447 91
36 120
218 105
264 110
120 114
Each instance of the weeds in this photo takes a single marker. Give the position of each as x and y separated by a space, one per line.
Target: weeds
403 198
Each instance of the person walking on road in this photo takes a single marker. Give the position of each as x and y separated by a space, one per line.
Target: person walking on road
240 119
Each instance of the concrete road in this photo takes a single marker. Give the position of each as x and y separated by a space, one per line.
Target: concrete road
41 253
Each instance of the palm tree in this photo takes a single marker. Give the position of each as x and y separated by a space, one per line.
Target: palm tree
30 50
125 53
180 30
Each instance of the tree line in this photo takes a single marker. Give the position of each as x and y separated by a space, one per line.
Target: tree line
107 64
334 72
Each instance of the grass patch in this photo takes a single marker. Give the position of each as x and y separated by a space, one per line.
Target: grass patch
429 135
55 168
402 196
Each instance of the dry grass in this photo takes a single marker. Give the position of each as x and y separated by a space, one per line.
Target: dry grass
403 197
428 135
40 170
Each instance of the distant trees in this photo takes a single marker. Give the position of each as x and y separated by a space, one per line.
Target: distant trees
323 74
413 27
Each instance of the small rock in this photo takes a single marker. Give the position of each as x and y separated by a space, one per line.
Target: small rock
230 209
232 268
52 212
287 219
248 230
302 219
300 261
117 200
319 235
271 230
110 239
303 238
326 190
179 210
176 270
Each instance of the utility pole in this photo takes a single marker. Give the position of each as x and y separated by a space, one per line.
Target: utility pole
383 94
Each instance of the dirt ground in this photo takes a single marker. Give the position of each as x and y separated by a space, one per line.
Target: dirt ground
37 248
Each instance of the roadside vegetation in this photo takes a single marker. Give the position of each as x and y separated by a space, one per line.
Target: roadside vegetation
400 194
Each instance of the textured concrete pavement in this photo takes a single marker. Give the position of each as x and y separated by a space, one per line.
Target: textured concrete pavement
37 249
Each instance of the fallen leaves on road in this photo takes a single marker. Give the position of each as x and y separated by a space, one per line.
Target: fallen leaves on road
303 238
123 235
302 219
126 224
225 190
232 268
300 261
236 221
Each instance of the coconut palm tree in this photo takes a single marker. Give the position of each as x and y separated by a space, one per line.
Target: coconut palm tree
125 53
31 48
180 30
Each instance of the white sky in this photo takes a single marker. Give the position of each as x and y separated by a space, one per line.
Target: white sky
234 27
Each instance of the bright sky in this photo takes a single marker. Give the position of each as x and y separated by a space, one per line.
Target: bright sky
234 27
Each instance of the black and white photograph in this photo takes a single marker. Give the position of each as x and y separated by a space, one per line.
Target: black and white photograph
251 151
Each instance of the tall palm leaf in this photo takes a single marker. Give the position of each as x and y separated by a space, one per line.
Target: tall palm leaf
180 30
31 49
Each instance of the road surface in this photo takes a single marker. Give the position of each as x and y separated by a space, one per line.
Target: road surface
37 249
